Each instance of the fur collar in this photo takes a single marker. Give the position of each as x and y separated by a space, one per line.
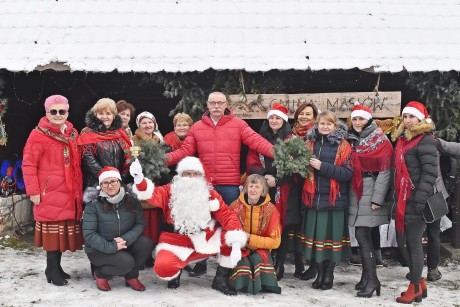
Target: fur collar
94 123
335 137
409 134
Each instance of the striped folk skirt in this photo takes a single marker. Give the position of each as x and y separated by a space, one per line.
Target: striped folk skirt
325 235
255 273
59 235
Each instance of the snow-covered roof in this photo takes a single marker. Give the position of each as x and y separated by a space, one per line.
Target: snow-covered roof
255 35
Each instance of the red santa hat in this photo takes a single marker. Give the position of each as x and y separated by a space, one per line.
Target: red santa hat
362 111
279 110
109 172
190 164
418 110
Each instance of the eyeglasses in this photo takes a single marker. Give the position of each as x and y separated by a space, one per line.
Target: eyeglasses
182 125
112 183
54 112
216 103
191 174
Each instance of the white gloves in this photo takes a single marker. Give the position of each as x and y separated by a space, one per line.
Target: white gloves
136 171
235 255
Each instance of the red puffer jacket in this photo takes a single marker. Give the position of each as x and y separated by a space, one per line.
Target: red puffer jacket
52 170
218 147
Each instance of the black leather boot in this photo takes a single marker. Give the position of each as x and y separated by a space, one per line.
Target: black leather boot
200 269
318 283
373 283
309 273
299 267
363 281
220 282
61 271
174 283
52 269
328 279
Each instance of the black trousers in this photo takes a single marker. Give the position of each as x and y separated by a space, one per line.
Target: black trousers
434 244
124 262
410 245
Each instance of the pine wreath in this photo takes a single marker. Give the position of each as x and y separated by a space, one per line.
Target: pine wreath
152 158
292 156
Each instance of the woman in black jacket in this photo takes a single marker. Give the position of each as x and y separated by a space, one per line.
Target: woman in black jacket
415 175
112 228
325 194
103 142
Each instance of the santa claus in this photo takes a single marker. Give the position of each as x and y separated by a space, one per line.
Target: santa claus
200 224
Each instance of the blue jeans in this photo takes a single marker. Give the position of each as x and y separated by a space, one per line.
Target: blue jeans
229 193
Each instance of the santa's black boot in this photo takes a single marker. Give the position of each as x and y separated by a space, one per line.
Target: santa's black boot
174 283
199 269
221 282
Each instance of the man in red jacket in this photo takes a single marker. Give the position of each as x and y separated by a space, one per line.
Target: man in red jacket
198 224
217 139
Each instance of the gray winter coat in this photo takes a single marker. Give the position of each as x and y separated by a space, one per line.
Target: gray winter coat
452 149
101 226
375 188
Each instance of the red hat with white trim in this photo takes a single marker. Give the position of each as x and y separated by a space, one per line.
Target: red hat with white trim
362 111
279 110
418 110
109 172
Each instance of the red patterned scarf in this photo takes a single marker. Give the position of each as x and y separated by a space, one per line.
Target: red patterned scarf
373 154
403 183
309 187
90 137
301 131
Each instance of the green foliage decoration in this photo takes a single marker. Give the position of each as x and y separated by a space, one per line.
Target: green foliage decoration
152 159
440 92
292 156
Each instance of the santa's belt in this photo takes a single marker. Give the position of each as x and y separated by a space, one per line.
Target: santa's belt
170 228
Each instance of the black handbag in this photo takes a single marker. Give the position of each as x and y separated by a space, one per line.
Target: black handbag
435 208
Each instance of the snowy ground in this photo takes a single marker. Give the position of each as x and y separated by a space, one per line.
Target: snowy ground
23 283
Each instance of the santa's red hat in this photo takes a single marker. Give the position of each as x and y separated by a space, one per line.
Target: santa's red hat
279 110
362 111
109 172
190 164
418 110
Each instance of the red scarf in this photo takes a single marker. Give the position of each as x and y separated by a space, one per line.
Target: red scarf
301 131
373 154
403 183
309 187
90 136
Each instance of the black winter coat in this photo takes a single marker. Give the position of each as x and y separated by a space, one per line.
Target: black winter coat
100 227
325 149
422 165
107 153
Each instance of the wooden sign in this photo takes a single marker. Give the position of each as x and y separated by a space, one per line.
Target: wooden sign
385 105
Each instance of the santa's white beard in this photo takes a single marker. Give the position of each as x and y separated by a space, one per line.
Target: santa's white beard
189 204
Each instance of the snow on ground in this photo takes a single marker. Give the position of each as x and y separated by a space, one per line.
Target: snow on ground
23 283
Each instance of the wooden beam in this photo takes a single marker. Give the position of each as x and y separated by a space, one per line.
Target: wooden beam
385 105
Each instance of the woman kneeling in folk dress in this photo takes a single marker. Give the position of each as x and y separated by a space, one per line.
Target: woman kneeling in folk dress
261 223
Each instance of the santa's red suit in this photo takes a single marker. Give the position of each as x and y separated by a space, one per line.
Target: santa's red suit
174 250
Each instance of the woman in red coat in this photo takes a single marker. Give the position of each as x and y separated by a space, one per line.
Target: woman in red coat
53 179
182 123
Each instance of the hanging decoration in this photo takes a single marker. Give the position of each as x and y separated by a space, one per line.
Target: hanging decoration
3 134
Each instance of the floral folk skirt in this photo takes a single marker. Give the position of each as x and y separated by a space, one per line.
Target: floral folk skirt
59 235
325 235
255 273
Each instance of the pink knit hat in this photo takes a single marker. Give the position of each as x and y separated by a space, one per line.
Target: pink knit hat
56 99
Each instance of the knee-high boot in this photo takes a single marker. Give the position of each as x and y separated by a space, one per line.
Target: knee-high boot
52 269
221 282
318 283
373 283
61 271
279 261
328 279
299 267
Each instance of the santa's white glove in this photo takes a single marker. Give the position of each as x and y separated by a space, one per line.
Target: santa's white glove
136 171
235 255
